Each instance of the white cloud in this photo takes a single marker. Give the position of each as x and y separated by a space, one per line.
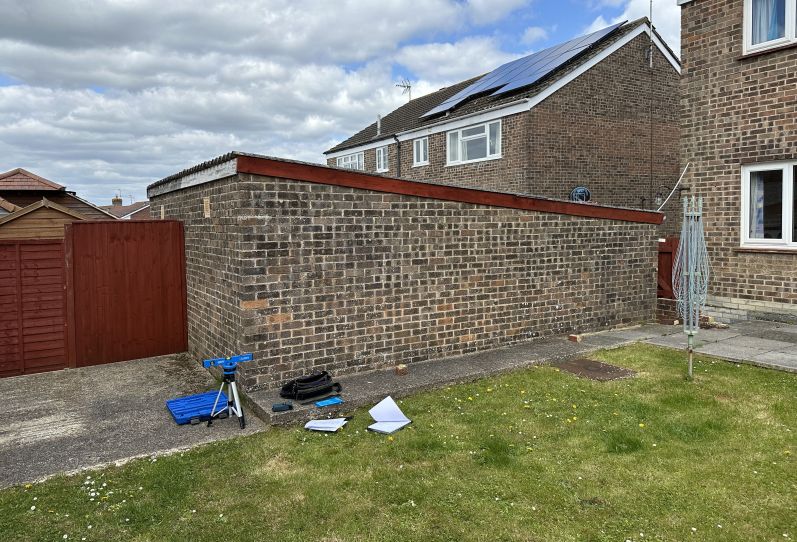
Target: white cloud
453 62
115 95
534 34
666 18
488 11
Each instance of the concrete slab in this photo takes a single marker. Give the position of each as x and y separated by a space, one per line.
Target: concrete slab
368 388
643 332
756 326
776 335
729 351
678 341
783 360
70 420
749 341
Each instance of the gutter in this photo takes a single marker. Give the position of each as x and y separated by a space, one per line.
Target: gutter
398 155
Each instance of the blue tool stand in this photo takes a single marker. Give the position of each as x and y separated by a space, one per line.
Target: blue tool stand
194 409
211 405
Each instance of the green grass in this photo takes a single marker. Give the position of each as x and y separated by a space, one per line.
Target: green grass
535 455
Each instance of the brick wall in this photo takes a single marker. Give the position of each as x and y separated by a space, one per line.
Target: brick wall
596 132
735 111
213 264
329 277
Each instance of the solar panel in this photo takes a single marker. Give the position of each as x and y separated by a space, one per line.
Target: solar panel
525 71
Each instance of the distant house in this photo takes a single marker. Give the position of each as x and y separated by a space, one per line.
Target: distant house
739 130
594 112
32 207
138 210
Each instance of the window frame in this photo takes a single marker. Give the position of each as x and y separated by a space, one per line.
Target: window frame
416 143
790 29
460 139
787 168
357 157
386 155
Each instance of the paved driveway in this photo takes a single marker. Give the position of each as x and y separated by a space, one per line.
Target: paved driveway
77 418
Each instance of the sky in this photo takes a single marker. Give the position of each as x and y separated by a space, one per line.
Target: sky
106 97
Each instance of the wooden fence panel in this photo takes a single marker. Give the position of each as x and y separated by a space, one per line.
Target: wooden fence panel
32 307
126 290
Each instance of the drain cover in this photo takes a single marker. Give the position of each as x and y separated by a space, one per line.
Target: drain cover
594 370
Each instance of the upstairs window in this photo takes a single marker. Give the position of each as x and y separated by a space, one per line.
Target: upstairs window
769 205
769 23
420 152
352 161
474 143
381 159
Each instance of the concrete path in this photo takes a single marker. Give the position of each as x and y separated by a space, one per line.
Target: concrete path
766 344
70 420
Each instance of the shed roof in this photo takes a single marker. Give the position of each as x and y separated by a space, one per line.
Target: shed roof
22 179
43 203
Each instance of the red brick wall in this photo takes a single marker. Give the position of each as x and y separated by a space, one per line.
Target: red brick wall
735 111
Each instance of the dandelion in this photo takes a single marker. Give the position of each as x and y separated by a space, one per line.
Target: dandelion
470 398
390 439
642 425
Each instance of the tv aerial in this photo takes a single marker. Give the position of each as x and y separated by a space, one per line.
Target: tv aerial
407 86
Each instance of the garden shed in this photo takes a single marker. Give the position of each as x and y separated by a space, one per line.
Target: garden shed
315 267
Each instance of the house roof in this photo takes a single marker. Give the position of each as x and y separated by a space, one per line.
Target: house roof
122 211
44 202
22 179
408 117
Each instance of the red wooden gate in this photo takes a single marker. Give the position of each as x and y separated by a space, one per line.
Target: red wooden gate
32 307
125 290
667 250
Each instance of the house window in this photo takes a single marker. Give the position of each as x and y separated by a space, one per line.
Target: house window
474 143
769 205
769 23
381 160
420 152
351 161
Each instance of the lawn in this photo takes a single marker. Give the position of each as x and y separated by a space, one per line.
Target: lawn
537 455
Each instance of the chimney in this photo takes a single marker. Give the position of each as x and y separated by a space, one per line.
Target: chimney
117 201
379 125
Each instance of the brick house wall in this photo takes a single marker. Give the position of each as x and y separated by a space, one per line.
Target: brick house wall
316 276
736 111
595 131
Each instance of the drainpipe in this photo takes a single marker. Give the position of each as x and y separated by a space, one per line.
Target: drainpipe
398 156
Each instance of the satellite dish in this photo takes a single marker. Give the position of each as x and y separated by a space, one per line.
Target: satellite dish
580 194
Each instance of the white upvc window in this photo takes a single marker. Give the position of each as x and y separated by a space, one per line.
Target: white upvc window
769 23
420 151
352 161
769 205
474 143
381 159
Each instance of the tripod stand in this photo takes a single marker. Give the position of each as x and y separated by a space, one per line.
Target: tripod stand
228 366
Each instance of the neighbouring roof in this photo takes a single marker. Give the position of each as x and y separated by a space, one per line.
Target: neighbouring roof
22 179
123 211
44 202
409 116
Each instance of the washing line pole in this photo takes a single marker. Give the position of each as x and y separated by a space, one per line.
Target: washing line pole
691 272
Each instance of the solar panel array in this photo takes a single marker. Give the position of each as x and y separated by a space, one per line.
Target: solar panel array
525 71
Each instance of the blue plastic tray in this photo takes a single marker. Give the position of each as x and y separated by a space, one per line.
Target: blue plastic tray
198 407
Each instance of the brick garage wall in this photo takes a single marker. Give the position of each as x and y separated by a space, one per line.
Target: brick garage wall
350 280
596 131
213 264
736 111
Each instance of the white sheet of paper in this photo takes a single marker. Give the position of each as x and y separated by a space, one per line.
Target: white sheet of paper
326 425
388 417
